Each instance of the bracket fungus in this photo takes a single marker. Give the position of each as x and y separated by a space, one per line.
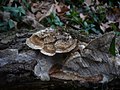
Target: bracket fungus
50 42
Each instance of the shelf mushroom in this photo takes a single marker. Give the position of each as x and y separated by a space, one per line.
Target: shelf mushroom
50 42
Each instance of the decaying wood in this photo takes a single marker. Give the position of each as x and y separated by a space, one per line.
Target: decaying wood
20 64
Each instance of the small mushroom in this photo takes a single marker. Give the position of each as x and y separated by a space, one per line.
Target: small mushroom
50 42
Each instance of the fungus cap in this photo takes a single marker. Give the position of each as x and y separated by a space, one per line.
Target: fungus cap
50 42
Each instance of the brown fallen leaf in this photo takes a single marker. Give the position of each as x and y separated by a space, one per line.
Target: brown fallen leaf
52 9
42 9
61 9
34 7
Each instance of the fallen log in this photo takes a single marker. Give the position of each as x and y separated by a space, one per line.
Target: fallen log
18 64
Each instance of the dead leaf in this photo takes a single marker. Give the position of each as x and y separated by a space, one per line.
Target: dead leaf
58 8
42 9
34 7
52 9
104 26
38 15
61 9
82 16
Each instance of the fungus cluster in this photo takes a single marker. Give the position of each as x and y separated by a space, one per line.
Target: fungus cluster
50 42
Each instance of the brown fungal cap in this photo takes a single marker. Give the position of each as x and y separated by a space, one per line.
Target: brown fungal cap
48 49
50 42
63 46
49 39
32 45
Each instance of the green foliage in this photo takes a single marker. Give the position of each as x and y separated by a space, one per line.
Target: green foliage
16 12
54 20
112 47
73 17
11 24
90 28
26 4
4 26
89 24
117 33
